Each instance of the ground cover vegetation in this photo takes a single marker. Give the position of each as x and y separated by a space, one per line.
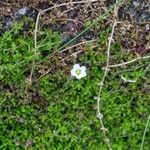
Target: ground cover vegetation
44 107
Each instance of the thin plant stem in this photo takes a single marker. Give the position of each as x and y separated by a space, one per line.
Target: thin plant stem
76 37
101 87
129 62
146 127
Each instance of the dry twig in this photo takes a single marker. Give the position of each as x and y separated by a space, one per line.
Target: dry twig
128 62
99 114
36 29
68 48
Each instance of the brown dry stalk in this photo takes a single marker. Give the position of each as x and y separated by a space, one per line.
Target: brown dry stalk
81 43
54 7
129 62
37 23
68 48
99 114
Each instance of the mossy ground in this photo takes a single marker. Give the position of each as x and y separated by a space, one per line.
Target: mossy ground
57 111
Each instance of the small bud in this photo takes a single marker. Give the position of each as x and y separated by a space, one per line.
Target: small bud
99 116
107 140
74 55
111 39
28 81
147 27
104 129
100 84
96 98
104 68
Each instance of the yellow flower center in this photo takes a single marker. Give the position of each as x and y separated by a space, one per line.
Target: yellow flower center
78 71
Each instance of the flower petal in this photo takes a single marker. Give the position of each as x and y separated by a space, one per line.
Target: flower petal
83 68
76 66
83 73
78 76
73 72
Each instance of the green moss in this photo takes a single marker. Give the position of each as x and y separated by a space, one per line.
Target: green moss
59 112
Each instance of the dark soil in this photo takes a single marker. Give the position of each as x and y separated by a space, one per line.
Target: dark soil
69 20
137 10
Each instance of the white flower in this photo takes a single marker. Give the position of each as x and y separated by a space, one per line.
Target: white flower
78 72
